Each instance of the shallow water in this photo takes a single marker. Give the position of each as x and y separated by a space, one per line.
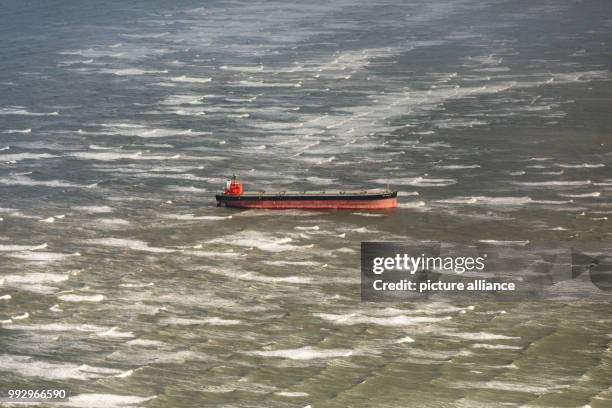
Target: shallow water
123 281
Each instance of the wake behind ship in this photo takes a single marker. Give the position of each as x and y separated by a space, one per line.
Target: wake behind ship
235 196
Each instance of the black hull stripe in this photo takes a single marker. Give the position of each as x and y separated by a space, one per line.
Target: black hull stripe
343 197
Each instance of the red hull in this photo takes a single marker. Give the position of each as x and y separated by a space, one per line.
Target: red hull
376 204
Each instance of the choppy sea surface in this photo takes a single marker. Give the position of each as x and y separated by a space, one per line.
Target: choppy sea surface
122 280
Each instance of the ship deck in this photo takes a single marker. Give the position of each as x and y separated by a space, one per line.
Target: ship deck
363 199
315 193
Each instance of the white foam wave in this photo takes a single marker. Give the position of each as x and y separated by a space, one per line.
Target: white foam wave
257 68
255 277
182 99
112 223
391 321
292 263
129 244
305 353
362 230
113 156
114 333
125 374
19 110
255 239
414 204
42 256
20 180
594 194
29 367
503 243
145 343
482 200
552 183
73 62
14 248
581 166
191 217
25 131
60 327
499 201
25 156
291 394
94 209
320 181
212 254
141 36
105 401
496 346
212 321
262 84
186 189
132 71
142 130
250 276
81 298
479 336
136 285
96 147
458 166
188 79
36 281
510 386
417 181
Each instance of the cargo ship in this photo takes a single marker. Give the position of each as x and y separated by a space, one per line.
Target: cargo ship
235 196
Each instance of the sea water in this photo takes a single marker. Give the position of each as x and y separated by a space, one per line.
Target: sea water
123 281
